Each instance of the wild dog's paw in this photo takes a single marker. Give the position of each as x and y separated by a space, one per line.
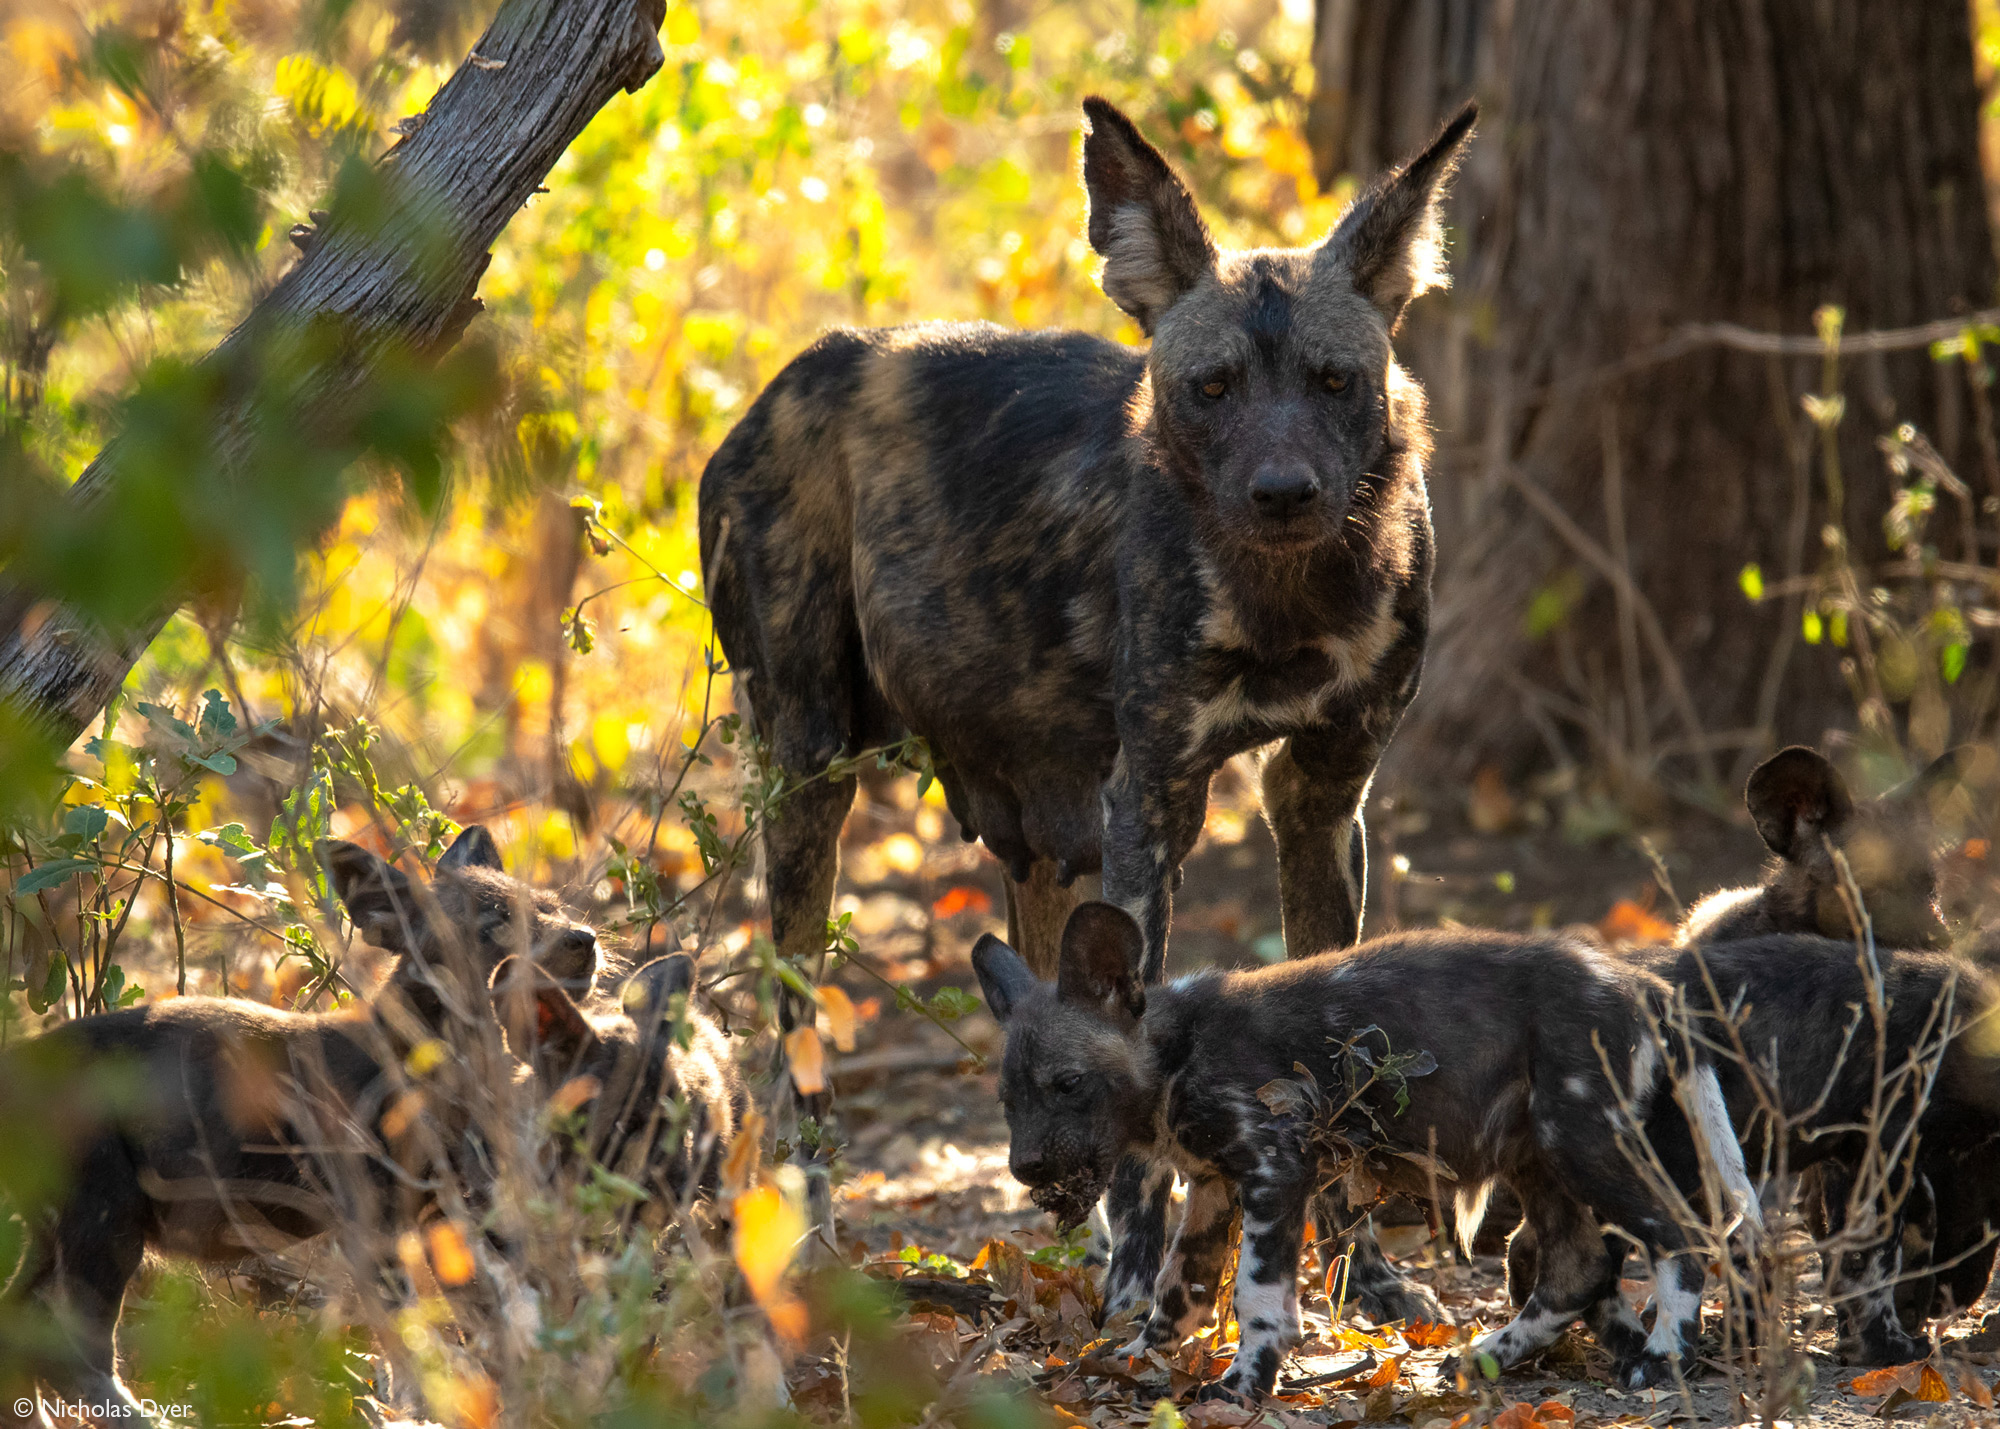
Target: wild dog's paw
1136 1347
1228 1390
1644 1371
1124 1299
1403 1300
1883 1343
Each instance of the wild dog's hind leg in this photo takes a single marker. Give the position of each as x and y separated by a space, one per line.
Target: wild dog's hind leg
1037 912
1373 1285
1861 1283
1575 1269
1185 1289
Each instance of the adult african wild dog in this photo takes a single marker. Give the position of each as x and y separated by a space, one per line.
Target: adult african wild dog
667 1097
1522 1029
215 1127
1088 575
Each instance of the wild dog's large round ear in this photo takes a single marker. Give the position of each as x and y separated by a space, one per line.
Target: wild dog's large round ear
1142 221
1936 779
473 848
649 993
544 1028
375 893
1101 950
1796 796
1004 977
1391 239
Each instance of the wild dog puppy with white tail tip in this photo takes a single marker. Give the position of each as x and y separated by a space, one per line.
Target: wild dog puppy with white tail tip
1522 1029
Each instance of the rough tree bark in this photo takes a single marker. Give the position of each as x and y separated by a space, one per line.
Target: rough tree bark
1642 167
403 282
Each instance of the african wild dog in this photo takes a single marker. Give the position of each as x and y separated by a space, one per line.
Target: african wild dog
1088 574
215 1127
1804 812
1522 1029
1802 1002
665 1095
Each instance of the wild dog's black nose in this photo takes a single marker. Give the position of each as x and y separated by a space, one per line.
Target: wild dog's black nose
1029 1168
1282 489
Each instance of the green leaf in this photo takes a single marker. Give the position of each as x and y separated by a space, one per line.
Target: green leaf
1951 661
1812 627
1752 581
86 822
52 873
53 986
219 762
217 720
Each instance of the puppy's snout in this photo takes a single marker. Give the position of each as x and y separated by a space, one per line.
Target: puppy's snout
571 956
1030 1167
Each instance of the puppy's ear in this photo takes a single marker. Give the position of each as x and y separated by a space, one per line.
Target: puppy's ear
1391 239
376 895
649 993
1796 797
1004 977
473 848
544 1028
1101 949
1935 780
1142 221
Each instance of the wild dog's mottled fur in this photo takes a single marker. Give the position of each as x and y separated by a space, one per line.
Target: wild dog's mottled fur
1801 806
1097 1068
212 1128
667 1096
1089 575
1084 579
1801 995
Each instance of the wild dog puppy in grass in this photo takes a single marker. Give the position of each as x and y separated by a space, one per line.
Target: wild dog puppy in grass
1239 1081
215 1128
1089 574
657 1095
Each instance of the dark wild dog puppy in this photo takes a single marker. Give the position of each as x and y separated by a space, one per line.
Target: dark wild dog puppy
1806 1029
1088 575
1803 810
1097 1067
214 1128
665 1097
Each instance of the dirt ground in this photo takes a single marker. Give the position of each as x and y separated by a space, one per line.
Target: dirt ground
926 1145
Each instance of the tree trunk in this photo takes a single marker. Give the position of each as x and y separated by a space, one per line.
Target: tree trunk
1605 476
398 281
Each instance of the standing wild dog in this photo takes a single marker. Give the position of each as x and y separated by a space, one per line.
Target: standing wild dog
214 1128
1522 1029
1088 575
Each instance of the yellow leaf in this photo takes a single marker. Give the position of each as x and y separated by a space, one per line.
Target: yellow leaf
807 1059
766 1233
474 1401
449 1256
839 1010
1931 1387
427 1056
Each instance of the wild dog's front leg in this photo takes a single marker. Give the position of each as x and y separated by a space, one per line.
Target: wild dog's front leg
1274 1198
1136 1205
1152 816
1313 789
1184 1291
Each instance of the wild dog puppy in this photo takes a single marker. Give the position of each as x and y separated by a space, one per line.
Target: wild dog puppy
1522 1029
213 1128
664 1097
1804 811
1805 1028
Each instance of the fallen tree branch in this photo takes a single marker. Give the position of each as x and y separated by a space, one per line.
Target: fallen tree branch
399 280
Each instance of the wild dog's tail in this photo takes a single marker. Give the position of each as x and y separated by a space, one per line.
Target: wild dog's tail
1718 1137
1468 1204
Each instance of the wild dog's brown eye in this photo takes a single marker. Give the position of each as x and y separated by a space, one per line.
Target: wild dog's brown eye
1336 381
1214 387
1069 1082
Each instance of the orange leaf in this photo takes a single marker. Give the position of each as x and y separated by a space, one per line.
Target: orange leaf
1552 1411
1893 1377
1336 1278
739 1167
1976 850
573 1094
474 1402
449 1257
1391 1370
961 899
839 1010
1427 1336
1973 1387
807 1059
788 1318
1931 1387
1627 922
